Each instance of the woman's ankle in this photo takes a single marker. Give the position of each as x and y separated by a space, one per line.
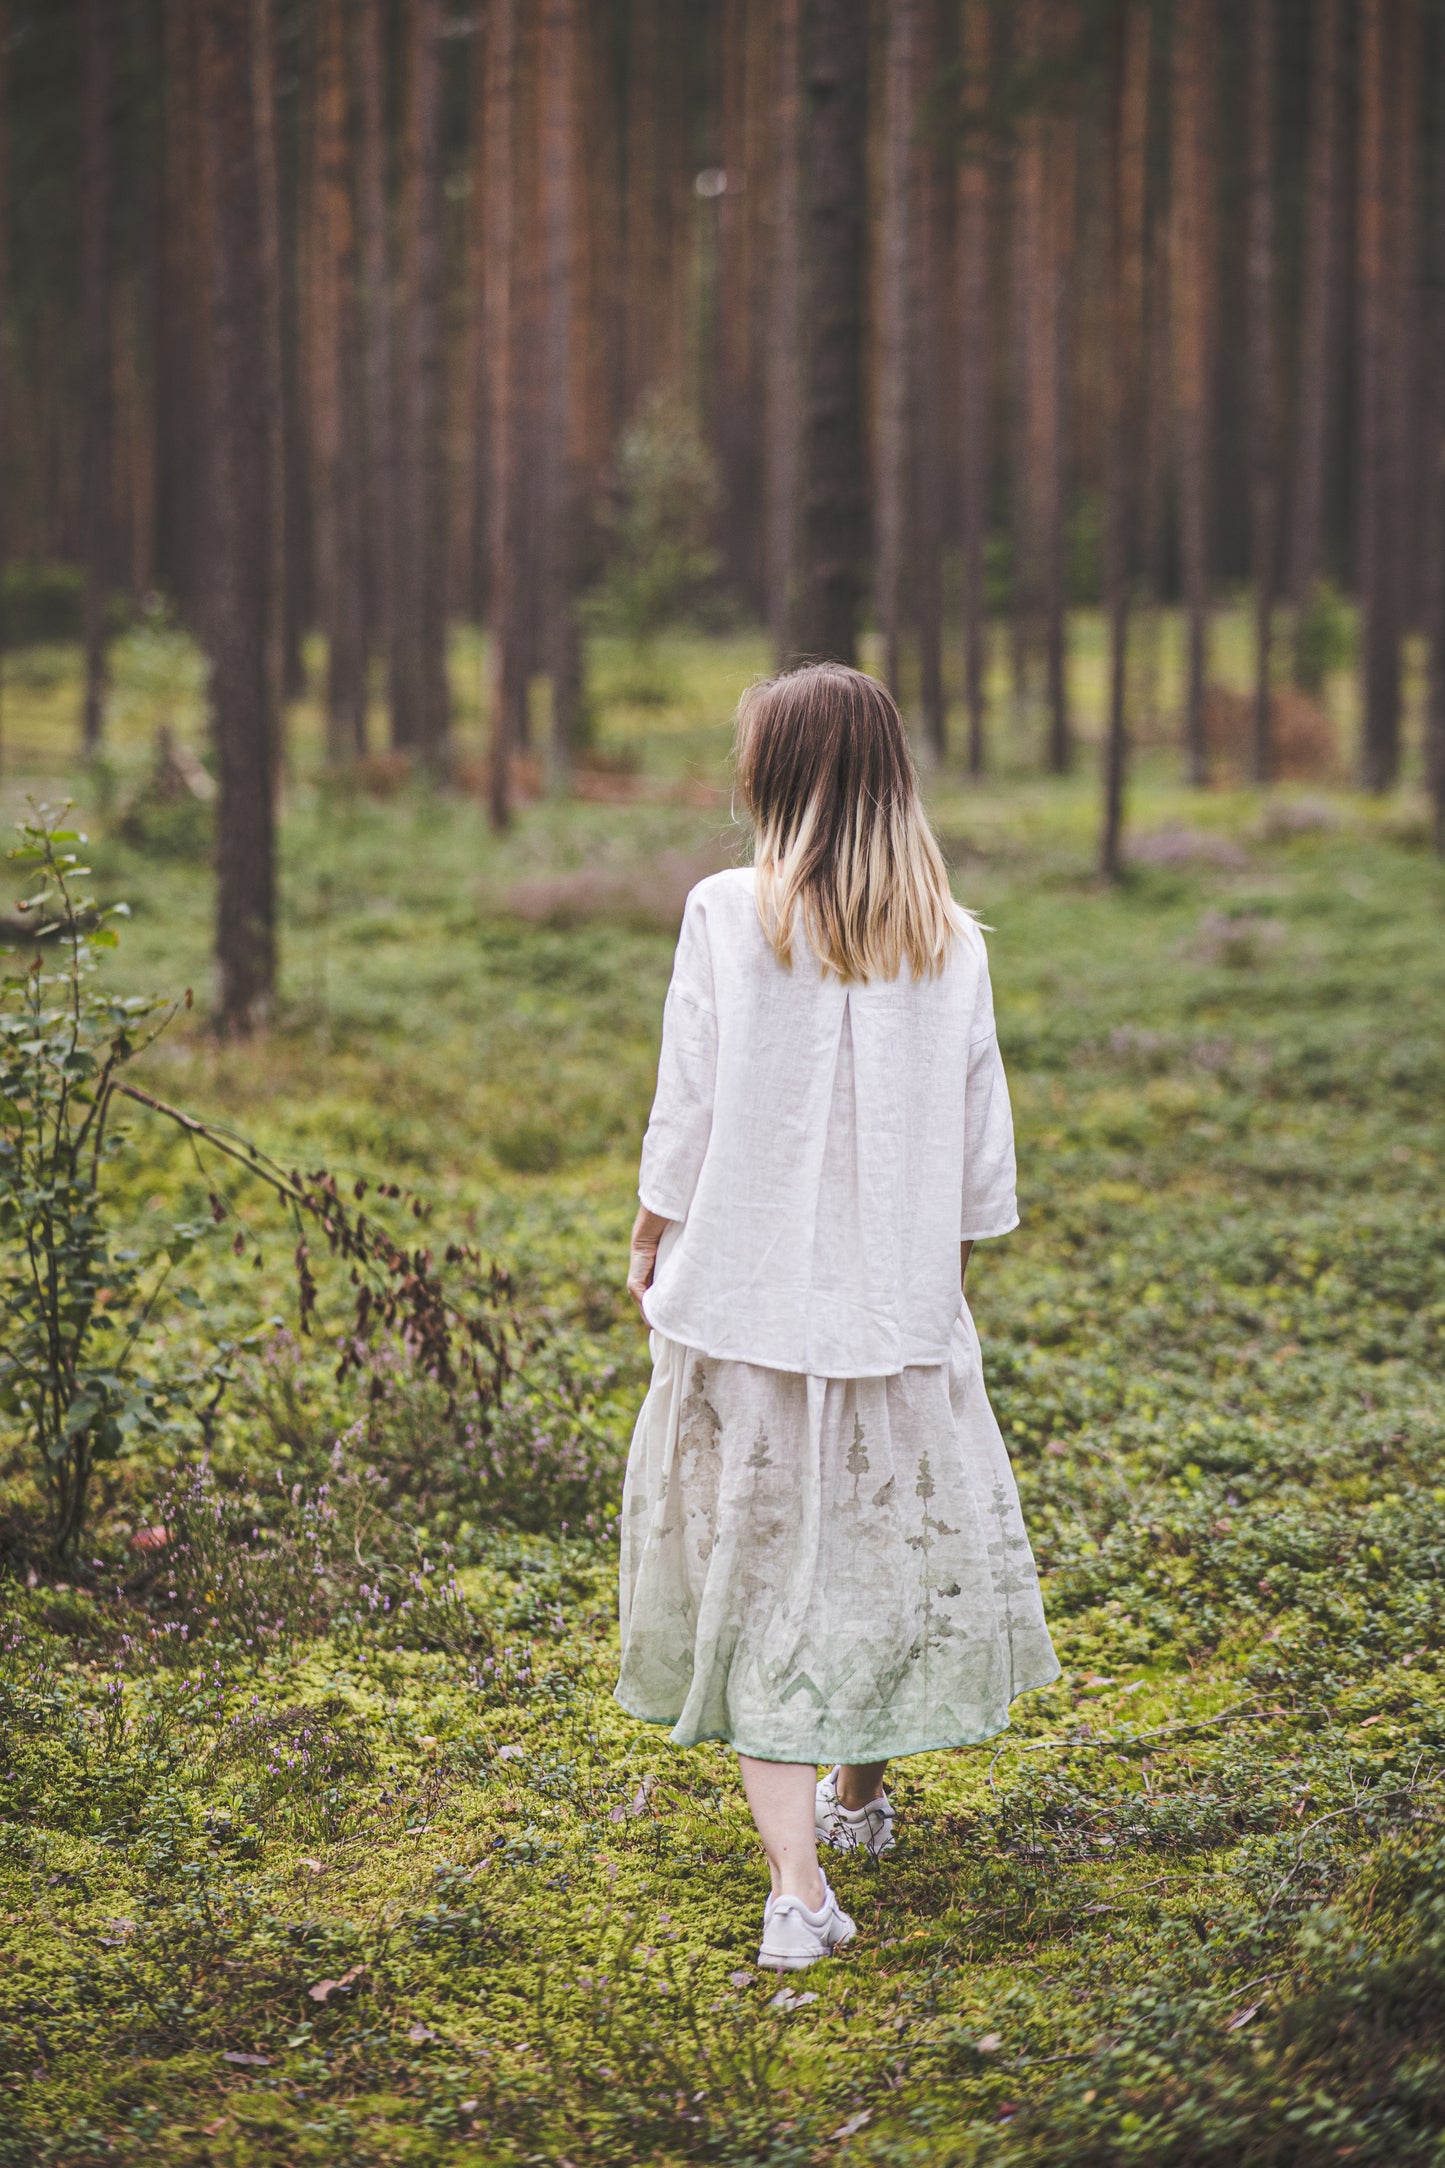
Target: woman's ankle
810 1890
859 1788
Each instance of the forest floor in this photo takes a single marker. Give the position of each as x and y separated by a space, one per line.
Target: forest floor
321 1837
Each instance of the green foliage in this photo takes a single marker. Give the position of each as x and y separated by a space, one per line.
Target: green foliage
1324 637
74 1303
661 562
43 603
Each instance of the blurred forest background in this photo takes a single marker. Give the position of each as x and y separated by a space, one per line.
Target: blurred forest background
939 321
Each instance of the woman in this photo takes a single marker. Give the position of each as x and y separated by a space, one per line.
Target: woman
822 1554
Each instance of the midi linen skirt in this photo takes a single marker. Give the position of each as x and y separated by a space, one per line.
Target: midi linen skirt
825 1569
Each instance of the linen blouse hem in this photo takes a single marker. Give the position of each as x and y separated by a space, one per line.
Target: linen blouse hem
830 1753
925 1359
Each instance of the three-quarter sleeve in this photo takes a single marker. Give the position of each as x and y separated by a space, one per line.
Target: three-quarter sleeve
681 1121
989 1204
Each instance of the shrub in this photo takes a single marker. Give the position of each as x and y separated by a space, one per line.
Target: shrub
75 1305
661 560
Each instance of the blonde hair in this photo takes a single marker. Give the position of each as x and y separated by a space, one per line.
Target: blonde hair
840 831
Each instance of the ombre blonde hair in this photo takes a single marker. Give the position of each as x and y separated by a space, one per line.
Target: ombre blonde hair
840 832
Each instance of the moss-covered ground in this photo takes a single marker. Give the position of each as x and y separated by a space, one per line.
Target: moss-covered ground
321 1839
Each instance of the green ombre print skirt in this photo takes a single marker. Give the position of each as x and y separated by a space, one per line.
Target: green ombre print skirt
825 1569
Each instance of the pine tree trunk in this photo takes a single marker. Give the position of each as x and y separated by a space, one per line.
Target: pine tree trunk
1434 465
783 431
897 331
418 634
1378 490
1128 180
1061 240
1263 424
835 92
333 422
745 92
179 345
1158 429
377 396
6 516
283 618
97 30
646 204
508 669
1318 306
1407 287
926 452
1031 360
241 513
474 393
560 192
1192 297
973 355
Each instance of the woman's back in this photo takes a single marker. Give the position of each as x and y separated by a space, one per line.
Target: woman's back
823 1146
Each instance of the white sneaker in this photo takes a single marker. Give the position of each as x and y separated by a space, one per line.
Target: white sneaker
794 1937
853 1829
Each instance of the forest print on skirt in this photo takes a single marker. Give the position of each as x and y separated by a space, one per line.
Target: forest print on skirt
825 1569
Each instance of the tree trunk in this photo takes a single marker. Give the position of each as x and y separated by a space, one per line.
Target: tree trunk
337 511
561 351
1318 308
6 518
97 30
897 332
1128 174
379 507
783 430
418 633
1263 423
1060 241
1158 430
745 97
179 389
241 514
508 668
1434 464
926 451
973 356
1027 292
1378 485
1192 298
283 653
472 582
835 89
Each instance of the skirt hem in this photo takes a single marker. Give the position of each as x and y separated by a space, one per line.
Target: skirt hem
831 1755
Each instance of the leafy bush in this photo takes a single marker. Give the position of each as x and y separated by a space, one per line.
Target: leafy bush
1324 637
75 1305
41 603
661 561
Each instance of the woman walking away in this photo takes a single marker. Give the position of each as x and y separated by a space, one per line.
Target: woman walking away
823 1558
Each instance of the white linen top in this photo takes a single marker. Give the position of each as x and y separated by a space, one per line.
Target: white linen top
822 1148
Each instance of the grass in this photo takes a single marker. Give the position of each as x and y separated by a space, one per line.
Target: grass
321 1839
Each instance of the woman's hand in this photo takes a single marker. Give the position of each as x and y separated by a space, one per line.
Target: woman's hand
647 1232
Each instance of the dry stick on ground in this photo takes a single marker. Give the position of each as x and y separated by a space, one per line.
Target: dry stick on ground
1242 1713
1360 1806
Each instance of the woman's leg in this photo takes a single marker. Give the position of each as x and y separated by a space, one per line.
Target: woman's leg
860 1783
781 1795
